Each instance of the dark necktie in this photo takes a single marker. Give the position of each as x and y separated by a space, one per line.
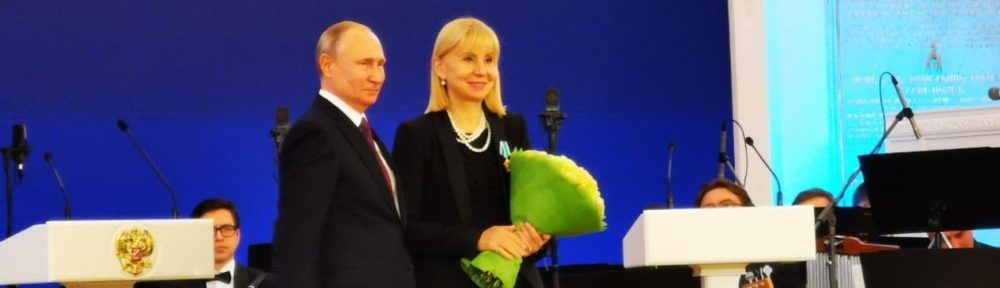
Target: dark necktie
366 131
224 277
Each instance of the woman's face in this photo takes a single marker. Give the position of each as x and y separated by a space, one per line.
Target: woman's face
720 197
470 72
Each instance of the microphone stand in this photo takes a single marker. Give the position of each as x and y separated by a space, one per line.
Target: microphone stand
724 159
827 214
780 196
278 138
173 195
670 176
282 118
67 211
552 119
9 184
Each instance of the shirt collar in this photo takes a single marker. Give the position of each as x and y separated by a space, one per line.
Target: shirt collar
230 267
352 114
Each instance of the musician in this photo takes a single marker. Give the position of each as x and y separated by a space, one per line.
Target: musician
815 197
722 193
861 197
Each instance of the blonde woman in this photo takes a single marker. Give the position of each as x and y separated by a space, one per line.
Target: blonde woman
451 164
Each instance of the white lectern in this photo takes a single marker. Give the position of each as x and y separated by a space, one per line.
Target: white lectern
720 242
112 253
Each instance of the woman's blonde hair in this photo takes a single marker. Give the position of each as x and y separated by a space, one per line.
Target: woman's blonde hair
464 32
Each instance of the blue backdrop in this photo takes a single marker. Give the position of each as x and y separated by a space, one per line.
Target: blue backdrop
199 82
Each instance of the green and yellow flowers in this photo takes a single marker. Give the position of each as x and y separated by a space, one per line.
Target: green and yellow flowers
554 195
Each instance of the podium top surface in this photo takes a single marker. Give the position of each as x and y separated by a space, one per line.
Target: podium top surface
720 236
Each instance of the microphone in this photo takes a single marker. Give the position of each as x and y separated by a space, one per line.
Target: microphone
19 148
995 93
552 100
906 106
281 127
780 195
722 152
552 117
670 174
17 153
67 212
173 195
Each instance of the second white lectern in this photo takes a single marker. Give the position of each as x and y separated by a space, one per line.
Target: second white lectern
108 253
720 242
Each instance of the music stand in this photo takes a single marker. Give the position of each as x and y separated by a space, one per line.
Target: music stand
933 191
932 268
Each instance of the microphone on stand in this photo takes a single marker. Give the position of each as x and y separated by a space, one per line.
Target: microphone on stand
827 216
723 158
173 195
552 120
906 106
18 154
780 196
670 174
67 211
19 149
282 118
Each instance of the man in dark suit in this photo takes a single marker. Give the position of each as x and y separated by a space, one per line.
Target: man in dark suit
230 274
339 214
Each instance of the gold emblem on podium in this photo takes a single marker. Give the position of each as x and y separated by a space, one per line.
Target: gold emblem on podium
134 248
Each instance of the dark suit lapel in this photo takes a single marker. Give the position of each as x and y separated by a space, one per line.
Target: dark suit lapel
455 166
353 135
499 130
242 277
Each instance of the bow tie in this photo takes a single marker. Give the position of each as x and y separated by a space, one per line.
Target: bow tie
224 277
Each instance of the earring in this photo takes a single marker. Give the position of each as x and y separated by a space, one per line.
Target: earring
444 83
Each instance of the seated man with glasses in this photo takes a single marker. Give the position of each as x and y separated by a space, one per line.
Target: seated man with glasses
722 193
227 237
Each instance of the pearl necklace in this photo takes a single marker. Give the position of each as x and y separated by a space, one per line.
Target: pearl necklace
468 139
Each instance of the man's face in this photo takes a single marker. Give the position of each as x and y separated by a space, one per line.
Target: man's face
357 71
816 201
720 197
225 246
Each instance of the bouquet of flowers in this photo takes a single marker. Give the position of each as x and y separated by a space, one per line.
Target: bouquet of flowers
553 194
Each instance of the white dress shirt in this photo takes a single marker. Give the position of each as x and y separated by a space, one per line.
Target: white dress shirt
231 268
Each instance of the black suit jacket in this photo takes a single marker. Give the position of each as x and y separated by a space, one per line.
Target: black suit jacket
244 275
337 224
440 228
